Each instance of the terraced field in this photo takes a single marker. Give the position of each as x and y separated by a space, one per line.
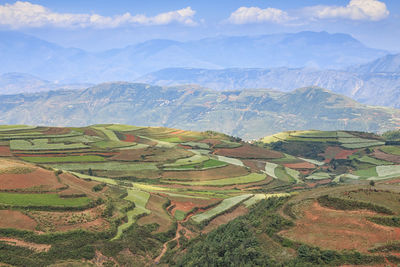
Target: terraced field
112 194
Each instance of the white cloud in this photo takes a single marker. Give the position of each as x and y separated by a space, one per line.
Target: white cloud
373 10
25 14
244 15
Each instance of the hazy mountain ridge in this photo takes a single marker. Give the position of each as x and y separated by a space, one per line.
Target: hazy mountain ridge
24 53
369 88
249 114
15 83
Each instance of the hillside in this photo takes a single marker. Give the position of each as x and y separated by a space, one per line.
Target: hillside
121 195
28 54
249 114
373 88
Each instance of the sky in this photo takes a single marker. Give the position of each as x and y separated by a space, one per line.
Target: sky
96 25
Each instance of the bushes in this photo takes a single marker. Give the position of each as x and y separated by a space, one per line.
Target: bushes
232 244
307 254
388 221
345 204
98 187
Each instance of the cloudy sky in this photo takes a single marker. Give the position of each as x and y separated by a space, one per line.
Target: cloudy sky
102 24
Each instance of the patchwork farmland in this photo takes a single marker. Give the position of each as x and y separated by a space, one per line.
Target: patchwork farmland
111 194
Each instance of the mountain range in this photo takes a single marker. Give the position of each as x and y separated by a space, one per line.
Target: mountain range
374 83
250 114
27 54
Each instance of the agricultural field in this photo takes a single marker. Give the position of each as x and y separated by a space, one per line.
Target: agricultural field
112 194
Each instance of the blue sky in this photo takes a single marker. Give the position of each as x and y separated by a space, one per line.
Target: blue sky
99 24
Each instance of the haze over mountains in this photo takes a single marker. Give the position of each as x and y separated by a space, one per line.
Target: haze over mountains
49 61
375 83
250 114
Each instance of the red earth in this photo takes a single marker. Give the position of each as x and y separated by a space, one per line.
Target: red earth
5 151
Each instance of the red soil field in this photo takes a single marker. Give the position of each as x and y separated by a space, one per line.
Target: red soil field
248 151
132 154
339 230
39 178
90 132
5 151
211 174
300 165
130 138
334 152
187 206
16 219
77 185
89 219
55 130
384 156
395 181
225 218
319 182
178 132
185 147
158 214
254 165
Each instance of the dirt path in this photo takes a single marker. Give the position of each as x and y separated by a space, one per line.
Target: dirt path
179 228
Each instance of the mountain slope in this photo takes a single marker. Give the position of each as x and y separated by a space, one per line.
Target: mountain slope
248 114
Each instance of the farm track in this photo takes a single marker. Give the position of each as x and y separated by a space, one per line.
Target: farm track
179 228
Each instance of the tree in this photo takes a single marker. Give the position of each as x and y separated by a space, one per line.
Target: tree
372 183
90 172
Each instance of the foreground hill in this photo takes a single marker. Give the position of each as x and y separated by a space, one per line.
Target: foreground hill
24 53
249 114
121 195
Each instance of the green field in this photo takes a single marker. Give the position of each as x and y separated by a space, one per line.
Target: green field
42 200
225 205
106 166
122 128
395 150
366 172
270 169
232 161
140 199
196 145
76 139
388 170
85 158
42 144
247 179
179 215
374 161
318 176
15 127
